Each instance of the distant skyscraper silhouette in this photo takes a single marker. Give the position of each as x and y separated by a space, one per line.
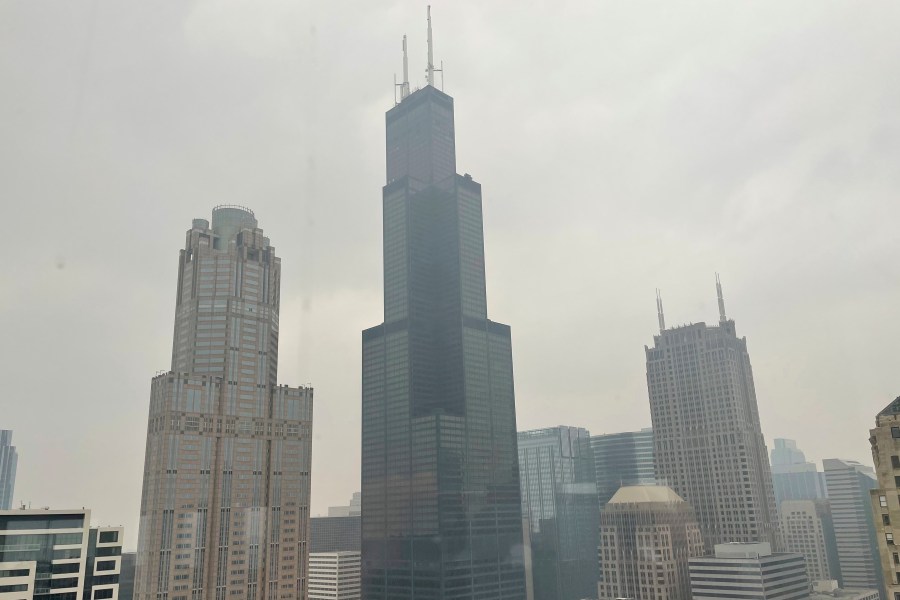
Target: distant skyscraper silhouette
624 458
559 503
849 484
225 506
794 477
9 459
441 513
709 444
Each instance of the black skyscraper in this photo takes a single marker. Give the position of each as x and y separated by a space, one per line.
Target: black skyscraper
441 514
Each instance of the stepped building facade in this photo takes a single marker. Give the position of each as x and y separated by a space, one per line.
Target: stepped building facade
225 503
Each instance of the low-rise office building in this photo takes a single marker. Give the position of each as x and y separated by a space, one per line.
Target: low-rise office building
334 576
828 590
56 554
749 571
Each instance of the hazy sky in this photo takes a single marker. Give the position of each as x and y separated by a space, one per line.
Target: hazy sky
622 146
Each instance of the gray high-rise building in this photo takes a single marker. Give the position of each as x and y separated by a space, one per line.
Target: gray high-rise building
225 503
559 502
9 458
794 477
708 440
441 511
807 529
849 483
624 458
350 510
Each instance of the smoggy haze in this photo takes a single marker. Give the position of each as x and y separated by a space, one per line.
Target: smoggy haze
621 146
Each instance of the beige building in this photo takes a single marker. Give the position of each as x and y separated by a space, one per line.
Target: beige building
225 503
885 440
647 536
803 530
709 444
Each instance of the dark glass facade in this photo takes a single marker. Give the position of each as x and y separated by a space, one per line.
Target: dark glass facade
334 534
441 513
559 503
624 458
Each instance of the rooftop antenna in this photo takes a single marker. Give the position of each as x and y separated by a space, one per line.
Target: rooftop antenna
722 317
659 312
429 70
404 85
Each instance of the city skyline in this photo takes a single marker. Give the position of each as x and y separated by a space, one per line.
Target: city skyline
238 112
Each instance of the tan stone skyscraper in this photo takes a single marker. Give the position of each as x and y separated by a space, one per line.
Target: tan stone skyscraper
885 499
709 445
647 536
225 504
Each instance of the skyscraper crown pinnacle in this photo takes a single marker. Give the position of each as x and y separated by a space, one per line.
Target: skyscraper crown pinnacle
430 69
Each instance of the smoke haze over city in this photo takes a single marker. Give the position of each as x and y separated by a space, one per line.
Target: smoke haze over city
622 147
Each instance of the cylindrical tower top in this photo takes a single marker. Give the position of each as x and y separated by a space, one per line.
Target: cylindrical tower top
228 220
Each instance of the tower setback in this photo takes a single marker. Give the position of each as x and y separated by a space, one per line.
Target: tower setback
225 503
441 513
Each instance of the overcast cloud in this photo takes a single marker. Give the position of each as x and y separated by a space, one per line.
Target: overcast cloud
622 146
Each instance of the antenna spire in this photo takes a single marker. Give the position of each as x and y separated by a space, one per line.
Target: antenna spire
429 69
659 312
404 87
722 317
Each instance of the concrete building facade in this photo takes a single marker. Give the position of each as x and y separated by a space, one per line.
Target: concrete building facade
354 509
709 445
885 498
806 529
849 484
57 554
225 503
830 590
647 536
559 502
334 576
748 571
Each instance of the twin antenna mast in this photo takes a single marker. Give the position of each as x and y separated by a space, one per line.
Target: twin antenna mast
719 297
429 68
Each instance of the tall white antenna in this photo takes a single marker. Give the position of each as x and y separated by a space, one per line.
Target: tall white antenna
722 317
429 70
404 87
659 312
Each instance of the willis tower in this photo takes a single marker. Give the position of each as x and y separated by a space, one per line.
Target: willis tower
441 511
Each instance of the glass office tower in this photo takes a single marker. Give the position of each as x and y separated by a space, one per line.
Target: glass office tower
441 514
559 502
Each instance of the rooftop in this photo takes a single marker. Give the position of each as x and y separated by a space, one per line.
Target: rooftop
891 409
631 494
